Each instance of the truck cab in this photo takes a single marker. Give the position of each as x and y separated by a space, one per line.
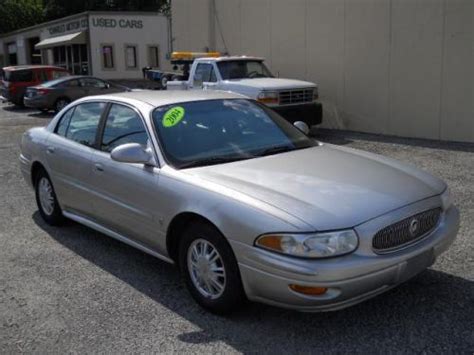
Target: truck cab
295 100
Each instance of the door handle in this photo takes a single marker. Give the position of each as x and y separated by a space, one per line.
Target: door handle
50 150
98 167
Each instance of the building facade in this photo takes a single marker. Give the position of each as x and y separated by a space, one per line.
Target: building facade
395 67
109 45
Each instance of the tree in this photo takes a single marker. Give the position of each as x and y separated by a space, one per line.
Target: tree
16 14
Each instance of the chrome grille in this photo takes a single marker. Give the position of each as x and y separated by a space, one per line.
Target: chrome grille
406 231
288 97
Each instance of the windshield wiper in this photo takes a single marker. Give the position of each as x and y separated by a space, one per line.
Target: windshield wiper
211 161
275 150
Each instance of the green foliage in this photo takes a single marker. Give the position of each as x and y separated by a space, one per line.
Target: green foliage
15 14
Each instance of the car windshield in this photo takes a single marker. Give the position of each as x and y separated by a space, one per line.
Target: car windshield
243 69
219 131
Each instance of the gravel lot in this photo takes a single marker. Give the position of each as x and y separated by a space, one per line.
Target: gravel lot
72 289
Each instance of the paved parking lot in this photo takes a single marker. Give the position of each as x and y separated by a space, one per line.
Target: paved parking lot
72 289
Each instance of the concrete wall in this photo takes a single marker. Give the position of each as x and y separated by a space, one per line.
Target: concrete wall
401 67
154 31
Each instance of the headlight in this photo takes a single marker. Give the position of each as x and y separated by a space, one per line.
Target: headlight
315 93
318 245
268 97
446 198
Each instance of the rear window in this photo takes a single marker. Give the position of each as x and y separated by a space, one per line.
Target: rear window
19 76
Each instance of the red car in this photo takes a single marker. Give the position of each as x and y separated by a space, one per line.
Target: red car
16 79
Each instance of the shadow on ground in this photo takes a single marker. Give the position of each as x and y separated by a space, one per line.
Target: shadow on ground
426 313
342 137
31 112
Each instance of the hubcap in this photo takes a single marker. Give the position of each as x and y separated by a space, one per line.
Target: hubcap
45 192
61 104
206 268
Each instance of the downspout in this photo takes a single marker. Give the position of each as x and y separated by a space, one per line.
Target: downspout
212 25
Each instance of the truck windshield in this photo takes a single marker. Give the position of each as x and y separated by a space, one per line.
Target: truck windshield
219 131
243 69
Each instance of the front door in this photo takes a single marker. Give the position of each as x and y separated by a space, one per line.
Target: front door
126 194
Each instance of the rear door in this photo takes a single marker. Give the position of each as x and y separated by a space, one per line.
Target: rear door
71 89
126 194
69 152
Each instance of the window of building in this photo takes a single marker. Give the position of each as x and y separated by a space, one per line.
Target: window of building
108 56
131 61
153 56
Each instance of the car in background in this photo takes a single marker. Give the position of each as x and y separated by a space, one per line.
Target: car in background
57 94
16 79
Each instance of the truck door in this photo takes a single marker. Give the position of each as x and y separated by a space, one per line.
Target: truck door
204 77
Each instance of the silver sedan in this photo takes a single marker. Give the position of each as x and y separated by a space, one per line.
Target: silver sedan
247 205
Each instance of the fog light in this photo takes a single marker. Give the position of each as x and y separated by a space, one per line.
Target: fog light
309 290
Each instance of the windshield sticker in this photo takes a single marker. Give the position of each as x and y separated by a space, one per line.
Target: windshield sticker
173 116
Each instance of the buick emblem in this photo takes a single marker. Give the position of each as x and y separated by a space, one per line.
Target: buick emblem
414 226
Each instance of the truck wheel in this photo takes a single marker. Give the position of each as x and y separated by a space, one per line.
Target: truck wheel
164 82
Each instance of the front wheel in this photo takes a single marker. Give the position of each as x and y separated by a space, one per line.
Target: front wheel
210 269
46 200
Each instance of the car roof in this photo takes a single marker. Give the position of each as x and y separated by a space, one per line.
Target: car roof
230 58
23 67
167 97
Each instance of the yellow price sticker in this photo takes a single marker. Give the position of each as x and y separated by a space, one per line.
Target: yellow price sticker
173 116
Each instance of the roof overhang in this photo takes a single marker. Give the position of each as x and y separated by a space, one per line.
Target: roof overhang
73 38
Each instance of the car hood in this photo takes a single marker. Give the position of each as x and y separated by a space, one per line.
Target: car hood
272 83
327 187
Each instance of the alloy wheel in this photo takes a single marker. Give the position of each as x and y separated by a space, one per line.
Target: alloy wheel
206 268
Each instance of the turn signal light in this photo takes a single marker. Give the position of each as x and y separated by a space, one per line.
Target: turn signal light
309 290
268 100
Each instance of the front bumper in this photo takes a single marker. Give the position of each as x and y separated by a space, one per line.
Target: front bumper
311 114
350 279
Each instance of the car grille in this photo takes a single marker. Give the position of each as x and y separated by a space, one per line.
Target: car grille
404 232
289 97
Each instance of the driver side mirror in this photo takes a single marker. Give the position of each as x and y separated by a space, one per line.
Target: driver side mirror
302 126
132 153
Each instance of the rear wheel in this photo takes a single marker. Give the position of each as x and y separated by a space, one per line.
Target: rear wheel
46 200
210 269
61 103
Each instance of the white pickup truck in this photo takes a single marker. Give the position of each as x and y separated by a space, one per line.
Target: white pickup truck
295 100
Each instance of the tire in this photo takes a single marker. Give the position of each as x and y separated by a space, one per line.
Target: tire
61 103
48 206
164 82
231 295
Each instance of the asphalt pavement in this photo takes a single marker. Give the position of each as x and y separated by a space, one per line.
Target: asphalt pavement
72 289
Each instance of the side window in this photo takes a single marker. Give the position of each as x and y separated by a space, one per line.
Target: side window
123 125
69 84
84 123
204 73
58 74
63 124
93 83
42 76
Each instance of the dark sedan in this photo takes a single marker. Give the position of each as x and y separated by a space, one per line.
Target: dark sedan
56 94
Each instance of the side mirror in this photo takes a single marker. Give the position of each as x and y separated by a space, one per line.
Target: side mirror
132 153
107 86
302 126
